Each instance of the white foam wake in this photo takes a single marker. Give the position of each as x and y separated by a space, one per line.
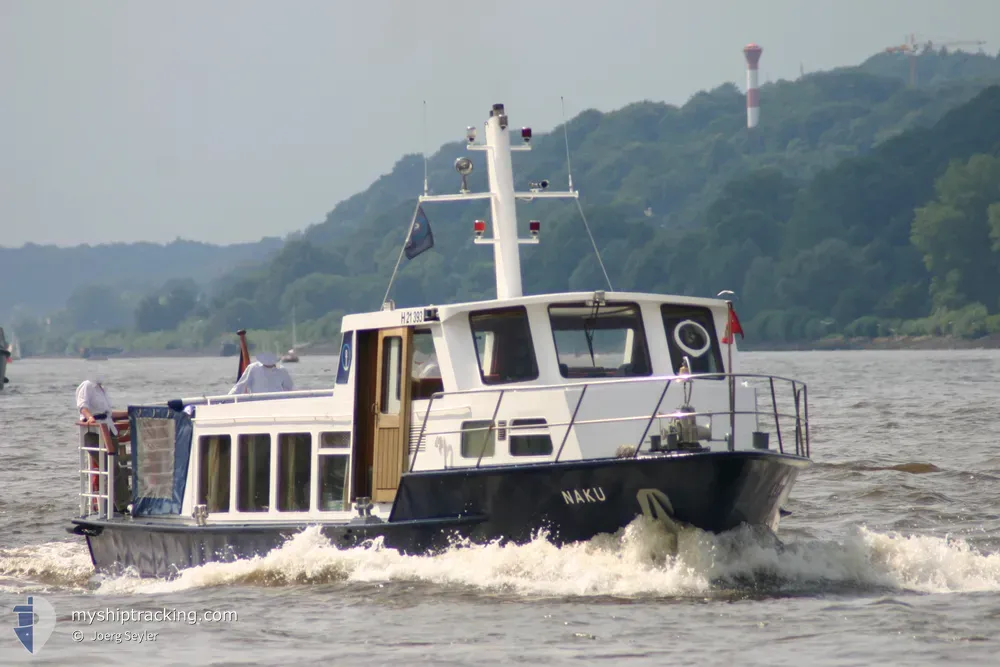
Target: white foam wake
632 563
641 560
38 566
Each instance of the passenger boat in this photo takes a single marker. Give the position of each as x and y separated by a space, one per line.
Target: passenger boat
571 413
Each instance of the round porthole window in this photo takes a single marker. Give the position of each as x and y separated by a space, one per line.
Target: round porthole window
692 338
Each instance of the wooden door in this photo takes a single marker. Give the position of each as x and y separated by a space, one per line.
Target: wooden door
392 411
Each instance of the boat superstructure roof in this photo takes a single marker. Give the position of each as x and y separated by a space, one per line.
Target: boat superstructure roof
418 315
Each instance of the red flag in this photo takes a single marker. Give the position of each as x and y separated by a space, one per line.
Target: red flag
733 327
244 354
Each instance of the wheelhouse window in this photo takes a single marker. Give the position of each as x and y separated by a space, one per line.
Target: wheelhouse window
253 491
599 340
213 480
425 371
294 471
478 439
503 345
691 334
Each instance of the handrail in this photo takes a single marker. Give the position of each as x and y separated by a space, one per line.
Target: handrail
260 396
800 417
613 381
617 420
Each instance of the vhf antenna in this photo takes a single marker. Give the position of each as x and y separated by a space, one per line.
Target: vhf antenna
569 167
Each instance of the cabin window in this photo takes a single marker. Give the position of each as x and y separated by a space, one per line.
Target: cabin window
478 439
691 333
253 474
213 480
344 366
425 371
333 483
334 439
294 471
529 437
599 340
392 352
503 346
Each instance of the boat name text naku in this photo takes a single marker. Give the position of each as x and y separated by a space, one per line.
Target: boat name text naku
576 496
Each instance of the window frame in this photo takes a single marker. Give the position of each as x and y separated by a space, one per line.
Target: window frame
707 320
477 426
641 331
486 380
320 487
243 439
203 480
280 489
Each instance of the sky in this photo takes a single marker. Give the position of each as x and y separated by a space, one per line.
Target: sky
229 120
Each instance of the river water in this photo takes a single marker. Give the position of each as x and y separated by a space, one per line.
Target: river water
891 555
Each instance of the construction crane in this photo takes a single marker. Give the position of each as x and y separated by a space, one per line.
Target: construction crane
912 48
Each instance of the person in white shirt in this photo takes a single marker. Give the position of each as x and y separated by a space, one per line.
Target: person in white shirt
263 375
94 404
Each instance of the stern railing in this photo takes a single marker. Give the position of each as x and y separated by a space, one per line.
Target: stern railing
103 467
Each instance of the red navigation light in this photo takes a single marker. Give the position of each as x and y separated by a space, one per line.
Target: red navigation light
526 134
534 227
479 227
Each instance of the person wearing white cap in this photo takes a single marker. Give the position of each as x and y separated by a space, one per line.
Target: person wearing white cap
263 375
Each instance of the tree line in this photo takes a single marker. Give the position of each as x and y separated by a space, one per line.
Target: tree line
859 206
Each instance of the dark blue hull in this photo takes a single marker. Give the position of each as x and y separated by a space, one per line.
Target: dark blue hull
573 501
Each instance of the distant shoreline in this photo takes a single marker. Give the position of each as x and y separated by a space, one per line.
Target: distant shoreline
990 342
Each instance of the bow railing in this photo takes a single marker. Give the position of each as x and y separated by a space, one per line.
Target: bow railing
787 420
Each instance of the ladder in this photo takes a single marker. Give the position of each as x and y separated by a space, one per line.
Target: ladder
99 464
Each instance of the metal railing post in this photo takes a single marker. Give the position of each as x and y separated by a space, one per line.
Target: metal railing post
798 420
651 418
493 422
777 419
732 409
805 404
569 427
111 463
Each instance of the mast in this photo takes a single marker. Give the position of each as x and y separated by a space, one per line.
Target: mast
503 198
503 208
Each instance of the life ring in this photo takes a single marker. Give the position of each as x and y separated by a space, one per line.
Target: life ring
692 338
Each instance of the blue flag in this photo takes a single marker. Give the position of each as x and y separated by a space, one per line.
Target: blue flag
421 238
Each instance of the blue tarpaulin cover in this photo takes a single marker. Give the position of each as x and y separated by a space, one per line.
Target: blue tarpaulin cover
161 448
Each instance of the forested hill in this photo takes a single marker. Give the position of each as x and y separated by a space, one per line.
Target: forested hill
674 160
40 278
859 206
682 200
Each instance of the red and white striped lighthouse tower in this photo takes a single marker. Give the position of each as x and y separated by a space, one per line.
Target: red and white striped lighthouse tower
752 53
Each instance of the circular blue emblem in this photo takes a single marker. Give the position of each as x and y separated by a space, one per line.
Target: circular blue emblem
345 357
